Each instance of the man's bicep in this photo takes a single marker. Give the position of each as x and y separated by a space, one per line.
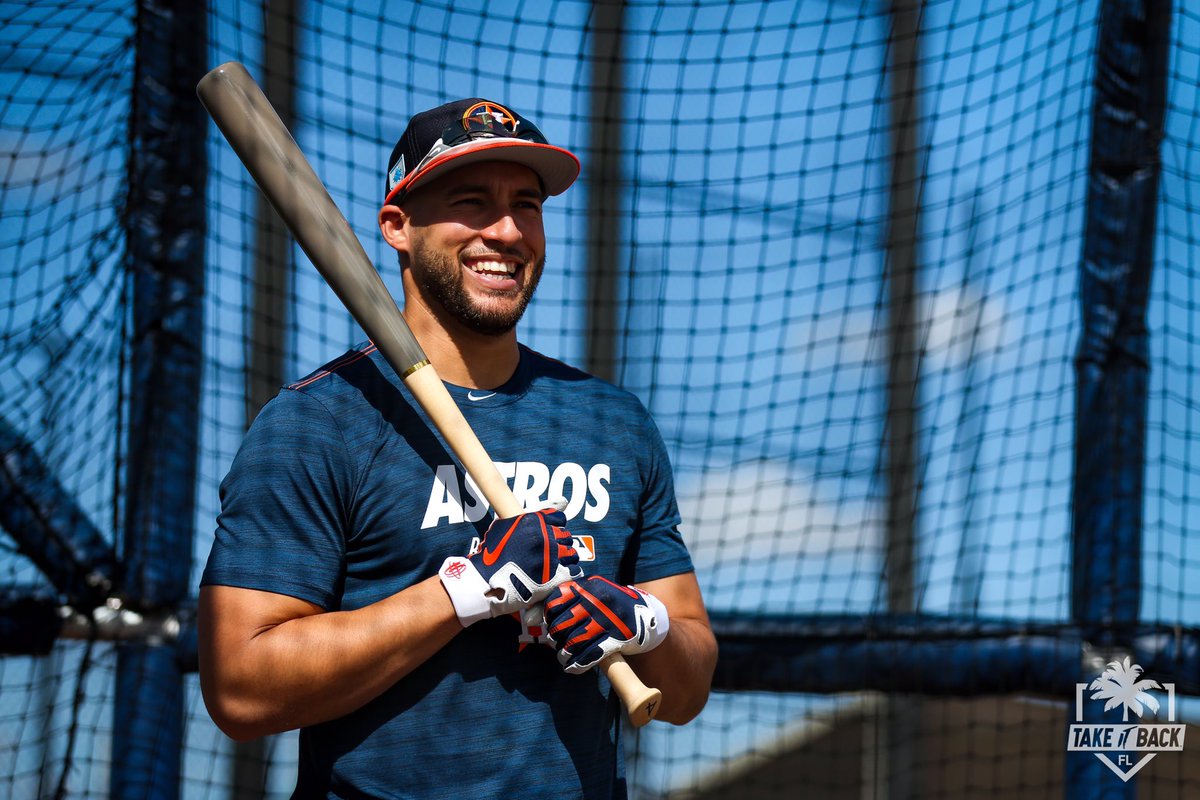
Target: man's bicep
238 670
229 618
250 608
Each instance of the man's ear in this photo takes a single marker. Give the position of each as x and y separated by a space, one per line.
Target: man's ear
392 223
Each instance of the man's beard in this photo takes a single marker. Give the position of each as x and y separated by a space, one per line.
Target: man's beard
441 279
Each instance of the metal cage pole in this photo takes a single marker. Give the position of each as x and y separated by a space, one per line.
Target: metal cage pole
272 242
602 172
1113 360
165 233
894 737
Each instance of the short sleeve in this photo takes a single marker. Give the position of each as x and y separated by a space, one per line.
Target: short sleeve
284 505
661 551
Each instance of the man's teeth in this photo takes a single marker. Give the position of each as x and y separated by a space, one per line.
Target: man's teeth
493 267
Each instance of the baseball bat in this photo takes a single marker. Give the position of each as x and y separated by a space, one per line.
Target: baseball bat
252 127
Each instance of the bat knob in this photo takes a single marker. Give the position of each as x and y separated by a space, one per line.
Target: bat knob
644 707
641 702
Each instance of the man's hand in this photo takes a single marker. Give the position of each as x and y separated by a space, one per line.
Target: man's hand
520 560
591 619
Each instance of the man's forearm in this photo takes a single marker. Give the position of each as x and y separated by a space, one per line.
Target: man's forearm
682 665
682 668
298 665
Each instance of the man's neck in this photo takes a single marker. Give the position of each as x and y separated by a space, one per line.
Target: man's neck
462 356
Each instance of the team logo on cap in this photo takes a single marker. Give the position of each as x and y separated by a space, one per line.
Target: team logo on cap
396 174
490 117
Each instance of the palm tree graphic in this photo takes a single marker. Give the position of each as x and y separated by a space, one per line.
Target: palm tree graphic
1119 685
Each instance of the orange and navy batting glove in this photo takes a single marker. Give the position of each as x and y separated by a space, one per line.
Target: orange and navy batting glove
516 565
589 620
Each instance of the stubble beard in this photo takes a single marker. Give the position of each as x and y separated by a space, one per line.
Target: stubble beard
441 278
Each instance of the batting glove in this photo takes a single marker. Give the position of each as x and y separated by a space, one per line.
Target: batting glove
589 620
516 565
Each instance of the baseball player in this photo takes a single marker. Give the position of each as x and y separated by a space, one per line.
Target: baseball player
359 588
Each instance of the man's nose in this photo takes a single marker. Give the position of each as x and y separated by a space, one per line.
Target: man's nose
504 229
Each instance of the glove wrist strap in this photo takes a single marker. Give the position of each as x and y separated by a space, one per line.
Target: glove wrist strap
662 623
467 590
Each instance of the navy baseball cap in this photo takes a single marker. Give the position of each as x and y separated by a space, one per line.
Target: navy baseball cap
468 131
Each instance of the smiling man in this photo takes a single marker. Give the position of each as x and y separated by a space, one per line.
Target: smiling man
358 588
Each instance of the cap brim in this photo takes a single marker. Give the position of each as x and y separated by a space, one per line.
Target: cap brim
558 168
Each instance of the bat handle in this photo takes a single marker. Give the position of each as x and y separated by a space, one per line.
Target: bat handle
640 701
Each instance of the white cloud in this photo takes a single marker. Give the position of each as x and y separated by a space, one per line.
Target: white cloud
768 510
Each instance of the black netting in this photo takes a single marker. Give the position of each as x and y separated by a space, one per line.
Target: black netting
754 203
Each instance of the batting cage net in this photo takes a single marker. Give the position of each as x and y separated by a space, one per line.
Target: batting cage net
910 290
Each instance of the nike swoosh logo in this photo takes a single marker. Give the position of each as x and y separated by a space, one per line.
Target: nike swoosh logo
490 556
471 396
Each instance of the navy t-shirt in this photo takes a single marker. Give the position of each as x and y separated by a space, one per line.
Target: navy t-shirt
342 495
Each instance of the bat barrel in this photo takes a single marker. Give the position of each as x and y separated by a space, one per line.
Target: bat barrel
275 161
